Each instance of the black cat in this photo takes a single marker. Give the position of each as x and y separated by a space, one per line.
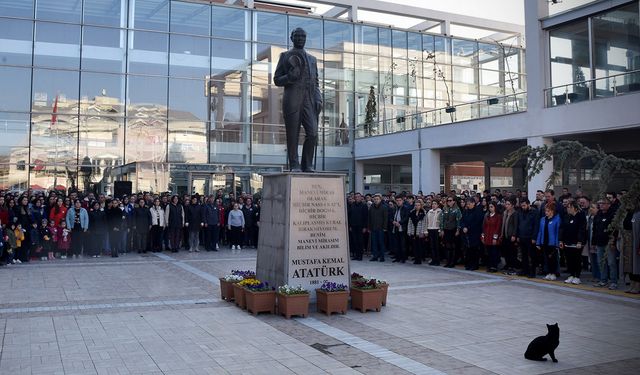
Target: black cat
543 345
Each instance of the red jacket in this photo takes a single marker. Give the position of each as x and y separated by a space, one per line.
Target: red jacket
221 213
492 229
58 217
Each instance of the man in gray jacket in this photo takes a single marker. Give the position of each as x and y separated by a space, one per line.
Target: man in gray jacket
378 220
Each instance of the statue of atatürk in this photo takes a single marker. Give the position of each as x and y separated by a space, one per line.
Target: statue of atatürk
297 72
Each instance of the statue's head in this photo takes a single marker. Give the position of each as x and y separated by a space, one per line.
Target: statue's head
299 37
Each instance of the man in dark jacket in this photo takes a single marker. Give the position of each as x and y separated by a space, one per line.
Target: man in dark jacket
194 222
211 224
250 212
141 226
471 224
358 220
378 218
399 222
605 244
526 234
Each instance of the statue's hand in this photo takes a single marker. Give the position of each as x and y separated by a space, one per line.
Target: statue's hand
294 73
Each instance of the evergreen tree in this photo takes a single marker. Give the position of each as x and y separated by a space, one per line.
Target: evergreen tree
370 113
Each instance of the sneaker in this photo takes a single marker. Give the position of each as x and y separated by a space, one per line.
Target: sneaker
217 247
547 277
18 261
613 286
239 248
569 280
600 284
63 257
575 281
552 277
94 256
13 261
197 250
233 247
191 251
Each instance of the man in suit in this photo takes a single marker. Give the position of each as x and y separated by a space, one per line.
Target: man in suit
297 72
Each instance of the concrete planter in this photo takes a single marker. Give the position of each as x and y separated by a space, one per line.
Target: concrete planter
385 289
330 302
293 304
258 302
366 299
239 294
226 290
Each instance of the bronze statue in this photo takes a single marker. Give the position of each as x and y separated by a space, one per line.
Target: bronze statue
297 72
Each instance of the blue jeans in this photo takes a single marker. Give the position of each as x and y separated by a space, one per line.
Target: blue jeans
595 266
377 243
608 269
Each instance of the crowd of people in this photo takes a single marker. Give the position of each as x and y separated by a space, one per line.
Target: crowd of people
48 226
501 231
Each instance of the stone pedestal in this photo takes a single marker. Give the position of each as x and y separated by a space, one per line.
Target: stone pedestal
303 230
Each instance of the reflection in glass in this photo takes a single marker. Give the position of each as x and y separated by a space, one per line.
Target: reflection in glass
149 15
271 28
16 89
59 10
106 12
339 71
103 49
338 36
187 140
312 26
366 72
442 49
146 97
569 52
230 23
229 101
399 43
54 139
57 45
101 140
14 177
366 39
14 143
228 142
464 52
102 94
44 177
15 41
148 53
384 40
265 62
230 58
189 56
146 139
190 18
414 46
55 91
336 117
267 110
12 8
187 100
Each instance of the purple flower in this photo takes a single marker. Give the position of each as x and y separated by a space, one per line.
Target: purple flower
328 286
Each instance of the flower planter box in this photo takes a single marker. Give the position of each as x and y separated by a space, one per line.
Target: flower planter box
293 304
330 302
258 302
385 289
239 296
366 299
226 290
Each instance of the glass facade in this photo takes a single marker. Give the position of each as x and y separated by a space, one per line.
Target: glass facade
96 89
604 48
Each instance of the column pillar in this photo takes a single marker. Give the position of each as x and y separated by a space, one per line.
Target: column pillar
539 181
425 171
487 176
353 13
358 184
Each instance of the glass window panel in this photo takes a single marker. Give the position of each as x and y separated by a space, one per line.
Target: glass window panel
399 43
14 177
569 52
186 100
190 18
230 58
490 83
16 89
271 28
230 23
150 15
15 41
57 45
384 40
146 139
229 101
59 10
267 109
54 139
366 72
489 55
146 97
14 143
414 46
312 26
464 52
43 177
51 84
102 94
265 63
187 141
336 117
617 49
339 72
428 44
442 49
16 8
148 53
229 142
189 56
366 39
101 141
338 36
106 12
104 49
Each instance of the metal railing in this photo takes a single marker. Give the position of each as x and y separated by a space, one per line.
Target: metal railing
407 120
605 87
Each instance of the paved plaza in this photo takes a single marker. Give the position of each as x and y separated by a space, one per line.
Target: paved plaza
161 314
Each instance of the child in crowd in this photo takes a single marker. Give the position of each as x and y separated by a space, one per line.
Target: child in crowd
53 230
36 240
18 253
64 239
45 237
10 243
